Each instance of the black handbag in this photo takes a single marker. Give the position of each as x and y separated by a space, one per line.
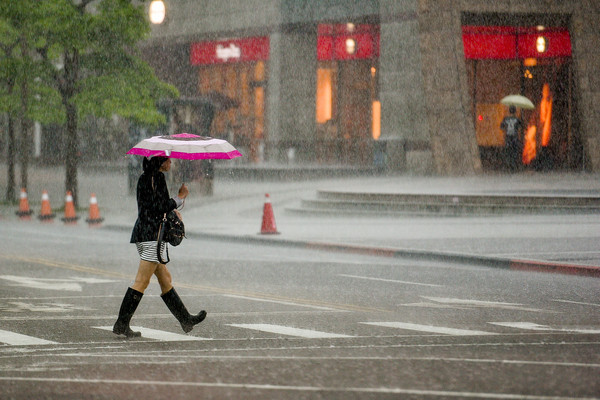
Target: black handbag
172 231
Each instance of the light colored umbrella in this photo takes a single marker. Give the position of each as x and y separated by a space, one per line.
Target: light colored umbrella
185 146
518 101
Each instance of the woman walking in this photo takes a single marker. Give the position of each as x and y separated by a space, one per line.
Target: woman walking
153 201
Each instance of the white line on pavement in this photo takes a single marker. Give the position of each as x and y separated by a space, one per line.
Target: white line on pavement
535 327
288 303
251 386
577 302
185 354
164 336
523 325
286 330
16 339
390 280
484 303
429 328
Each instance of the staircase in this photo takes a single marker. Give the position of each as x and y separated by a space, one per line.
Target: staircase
329 202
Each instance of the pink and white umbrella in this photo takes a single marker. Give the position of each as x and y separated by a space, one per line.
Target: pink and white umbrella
185 146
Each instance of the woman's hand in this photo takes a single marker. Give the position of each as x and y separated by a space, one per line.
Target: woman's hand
183 191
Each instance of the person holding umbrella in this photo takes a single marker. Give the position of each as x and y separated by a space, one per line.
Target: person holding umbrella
511 125
153 201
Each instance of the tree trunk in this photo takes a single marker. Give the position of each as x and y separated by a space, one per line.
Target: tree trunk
10 187
24 137
72 152
68 91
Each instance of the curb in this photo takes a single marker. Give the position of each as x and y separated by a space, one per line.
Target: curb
492 262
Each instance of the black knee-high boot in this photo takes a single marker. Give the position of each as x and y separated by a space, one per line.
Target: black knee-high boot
177 308
128 306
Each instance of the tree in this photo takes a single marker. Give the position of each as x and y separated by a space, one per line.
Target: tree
23 95
89 49
8 44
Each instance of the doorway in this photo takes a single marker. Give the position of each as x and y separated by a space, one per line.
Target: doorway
505 60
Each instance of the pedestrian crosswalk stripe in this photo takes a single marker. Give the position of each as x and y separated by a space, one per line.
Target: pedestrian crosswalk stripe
289 303
523 325
536 327
429 328
286 330
16 339
158 335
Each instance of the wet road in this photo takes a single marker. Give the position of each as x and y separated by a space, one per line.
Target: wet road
286 323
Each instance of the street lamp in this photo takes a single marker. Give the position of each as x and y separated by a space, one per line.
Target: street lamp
157 12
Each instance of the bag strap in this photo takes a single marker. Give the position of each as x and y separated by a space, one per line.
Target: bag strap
159 241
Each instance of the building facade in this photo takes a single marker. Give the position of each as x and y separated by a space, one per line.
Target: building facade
411 85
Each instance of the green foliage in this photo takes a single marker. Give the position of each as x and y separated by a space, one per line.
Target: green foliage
131 92
106 77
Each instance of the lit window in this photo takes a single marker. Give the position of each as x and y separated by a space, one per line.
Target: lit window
350 46
541 44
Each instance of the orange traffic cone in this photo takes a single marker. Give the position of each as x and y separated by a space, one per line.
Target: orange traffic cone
46 214
94 218
268 221
24 211
70 217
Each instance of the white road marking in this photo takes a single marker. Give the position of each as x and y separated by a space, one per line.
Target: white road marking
535 327
288 303
390 280
17 306
252 386
68 284
433 305
479 303
16 339
183 355
523 325
45 284
92 280
289 331
429 328
577 302
155 334
483 303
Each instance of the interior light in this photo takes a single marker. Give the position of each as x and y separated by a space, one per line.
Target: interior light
157 12
350 46
350 27
530 62
480 117
373 72
540 28
541 44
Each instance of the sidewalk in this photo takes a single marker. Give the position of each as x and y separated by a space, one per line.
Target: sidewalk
563 243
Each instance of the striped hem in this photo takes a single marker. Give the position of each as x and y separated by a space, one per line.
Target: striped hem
147 251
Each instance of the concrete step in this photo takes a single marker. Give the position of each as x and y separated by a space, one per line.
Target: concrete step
385 204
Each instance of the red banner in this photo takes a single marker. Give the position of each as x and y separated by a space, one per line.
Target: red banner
230 51
337 46
348 47
501 42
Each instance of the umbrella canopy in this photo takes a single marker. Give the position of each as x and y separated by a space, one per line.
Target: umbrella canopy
518 101
185 146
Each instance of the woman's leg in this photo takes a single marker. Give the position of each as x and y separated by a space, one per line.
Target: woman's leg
164 278
145 272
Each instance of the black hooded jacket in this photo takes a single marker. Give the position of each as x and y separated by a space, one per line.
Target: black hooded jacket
153 201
